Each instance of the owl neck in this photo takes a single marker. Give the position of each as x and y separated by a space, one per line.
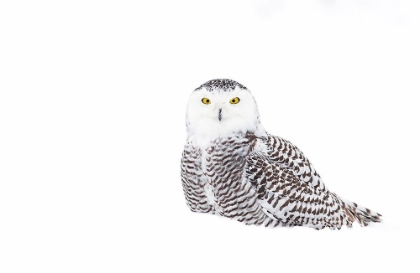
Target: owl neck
206 138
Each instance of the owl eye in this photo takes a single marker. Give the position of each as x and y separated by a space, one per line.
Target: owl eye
205 101
235 100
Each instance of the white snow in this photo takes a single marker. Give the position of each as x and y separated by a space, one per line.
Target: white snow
93 97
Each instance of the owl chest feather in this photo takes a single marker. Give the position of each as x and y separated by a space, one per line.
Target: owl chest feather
223 163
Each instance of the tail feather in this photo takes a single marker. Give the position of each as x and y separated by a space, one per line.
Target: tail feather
363 215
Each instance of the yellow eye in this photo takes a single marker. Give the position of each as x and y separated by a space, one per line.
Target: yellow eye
234 100
205 101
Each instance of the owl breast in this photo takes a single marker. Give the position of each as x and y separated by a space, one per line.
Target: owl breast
223 166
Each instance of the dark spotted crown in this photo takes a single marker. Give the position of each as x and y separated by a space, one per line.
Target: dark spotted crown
221 84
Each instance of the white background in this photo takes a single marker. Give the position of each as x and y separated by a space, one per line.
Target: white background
92 106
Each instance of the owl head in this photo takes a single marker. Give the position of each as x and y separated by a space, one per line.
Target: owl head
220 108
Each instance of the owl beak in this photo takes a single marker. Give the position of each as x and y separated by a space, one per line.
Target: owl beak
220 114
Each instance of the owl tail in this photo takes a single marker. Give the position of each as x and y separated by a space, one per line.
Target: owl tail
362 215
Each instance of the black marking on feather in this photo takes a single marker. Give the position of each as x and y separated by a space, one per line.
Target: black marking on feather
225 85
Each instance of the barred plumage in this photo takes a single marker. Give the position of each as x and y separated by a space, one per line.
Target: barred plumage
239 171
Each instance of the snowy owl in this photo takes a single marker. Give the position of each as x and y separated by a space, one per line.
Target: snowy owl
232 167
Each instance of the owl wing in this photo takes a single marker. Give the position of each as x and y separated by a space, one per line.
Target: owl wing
194 182
288 156
286 195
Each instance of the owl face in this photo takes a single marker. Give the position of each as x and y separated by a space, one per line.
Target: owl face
215 111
